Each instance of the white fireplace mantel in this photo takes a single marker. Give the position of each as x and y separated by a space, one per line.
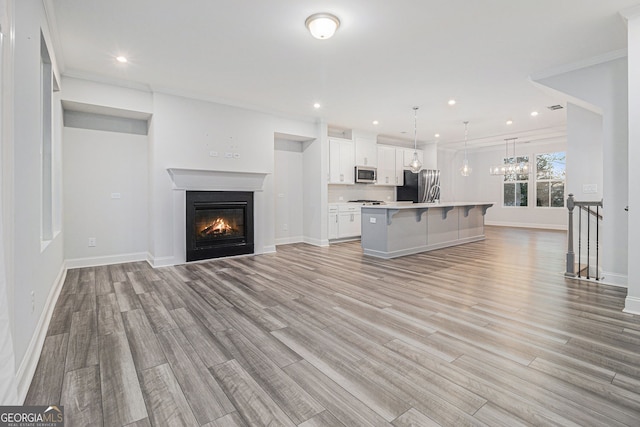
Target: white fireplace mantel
213 180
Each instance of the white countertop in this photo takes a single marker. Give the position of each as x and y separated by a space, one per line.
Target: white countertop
405 205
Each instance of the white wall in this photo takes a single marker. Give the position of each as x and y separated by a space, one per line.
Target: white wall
96 165
481 186
584 152
183 133
288 186
603 87
34 266
632 303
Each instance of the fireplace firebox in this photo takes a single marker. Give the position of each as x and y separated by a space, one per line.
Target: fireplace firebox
219 223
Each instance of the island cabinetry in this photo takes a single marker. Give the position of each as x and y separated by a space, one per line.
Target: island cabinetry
395 230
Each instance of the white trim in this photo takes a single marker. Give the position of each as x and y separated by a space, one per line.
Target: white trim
266 250
105 260
585 63
614 279
289 240
27 368
165 261
527 225
630 12
315 242
632 305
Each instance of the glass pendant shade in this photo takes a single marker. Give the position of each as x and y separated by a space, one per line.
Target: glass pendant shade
416 165
465 170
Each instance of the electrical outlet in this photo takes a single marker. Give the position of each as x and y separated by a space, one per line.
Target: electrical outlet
372 220
213 154
116 195
92 242
589 188
228 155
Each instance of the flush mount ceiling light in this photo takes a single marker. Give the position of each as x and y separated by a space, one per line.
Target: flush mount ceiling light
122 59
415 164
322 25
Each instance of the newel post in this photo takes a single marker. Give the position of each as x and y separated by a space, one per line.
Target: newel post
571 256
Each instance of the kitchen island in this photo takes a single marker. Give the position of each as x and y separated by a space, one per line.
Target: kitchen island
394 230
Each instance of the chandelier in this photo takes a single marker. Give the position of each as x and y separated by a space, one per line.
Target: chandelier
510 167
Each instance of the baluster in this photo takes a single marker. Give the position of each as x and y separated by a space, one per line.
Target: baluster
580 242
588 240
597 242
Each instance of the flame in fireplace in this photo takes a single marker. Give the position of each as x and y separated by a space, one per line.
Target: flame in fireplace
219 227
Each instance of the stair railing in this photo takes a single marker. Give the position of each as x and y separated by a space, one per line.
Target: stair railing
591 211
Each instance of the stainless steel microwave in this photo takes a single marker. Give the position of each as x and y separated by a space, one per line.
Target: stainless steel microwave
366 174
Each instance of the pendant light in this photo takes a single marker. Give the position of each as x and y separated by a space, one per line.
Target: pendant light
415 164
465 170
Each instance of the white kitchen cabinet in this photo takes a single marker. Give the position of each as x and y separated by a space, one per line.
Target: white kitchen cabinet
366 152
341 161
344 221
349 223
386 165
333 222
400 166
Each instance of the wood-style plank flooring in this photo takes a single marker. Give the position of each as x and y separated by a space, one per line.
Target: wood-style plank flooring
488 333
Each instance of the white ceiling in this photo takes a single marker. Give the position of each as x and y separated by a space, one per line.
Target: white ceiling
386 57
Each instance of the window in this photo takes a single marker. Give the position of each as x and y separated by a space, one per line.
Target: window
550 177
515 188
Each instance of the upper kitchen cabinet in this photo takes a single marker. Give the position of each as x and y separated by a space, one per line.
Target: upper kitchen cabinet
366 152
341 161
386 165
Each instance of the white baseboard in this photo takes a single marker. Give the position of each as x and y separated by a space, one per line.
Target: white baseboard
27 368
632 305
614 279
162 261
268 250
105 260
527 225
315 242
289 240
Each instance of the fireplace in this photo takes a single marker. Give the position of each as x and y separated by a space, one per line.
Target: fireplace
219 223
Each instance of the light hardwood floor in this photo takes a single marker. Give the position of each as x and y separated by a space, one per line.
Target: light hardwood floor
488 333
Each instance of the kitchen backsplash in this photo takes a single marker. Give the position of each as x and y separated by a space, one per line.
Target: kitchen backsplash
344 193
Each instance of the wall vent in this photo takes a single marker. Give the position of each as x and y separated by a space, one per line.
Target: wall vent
555 107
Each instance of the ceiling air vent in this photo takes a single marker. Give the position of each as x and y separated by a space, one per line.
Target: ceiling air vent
555 107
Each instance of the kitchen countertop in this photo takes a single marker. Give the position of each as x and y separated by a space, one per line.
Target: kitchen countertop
408 205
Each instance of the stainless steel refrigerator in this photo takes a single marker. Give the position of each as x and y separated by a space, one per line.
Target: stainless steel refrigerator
421 187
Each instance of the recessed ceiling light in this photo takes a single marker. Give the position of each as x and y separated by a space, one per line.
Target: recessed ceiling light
534 113
437 135
122 59
375 122
509 122
452 101
316 105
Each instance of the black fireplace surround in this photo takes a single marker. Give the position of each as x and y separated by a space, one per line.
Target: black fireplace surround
219 224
